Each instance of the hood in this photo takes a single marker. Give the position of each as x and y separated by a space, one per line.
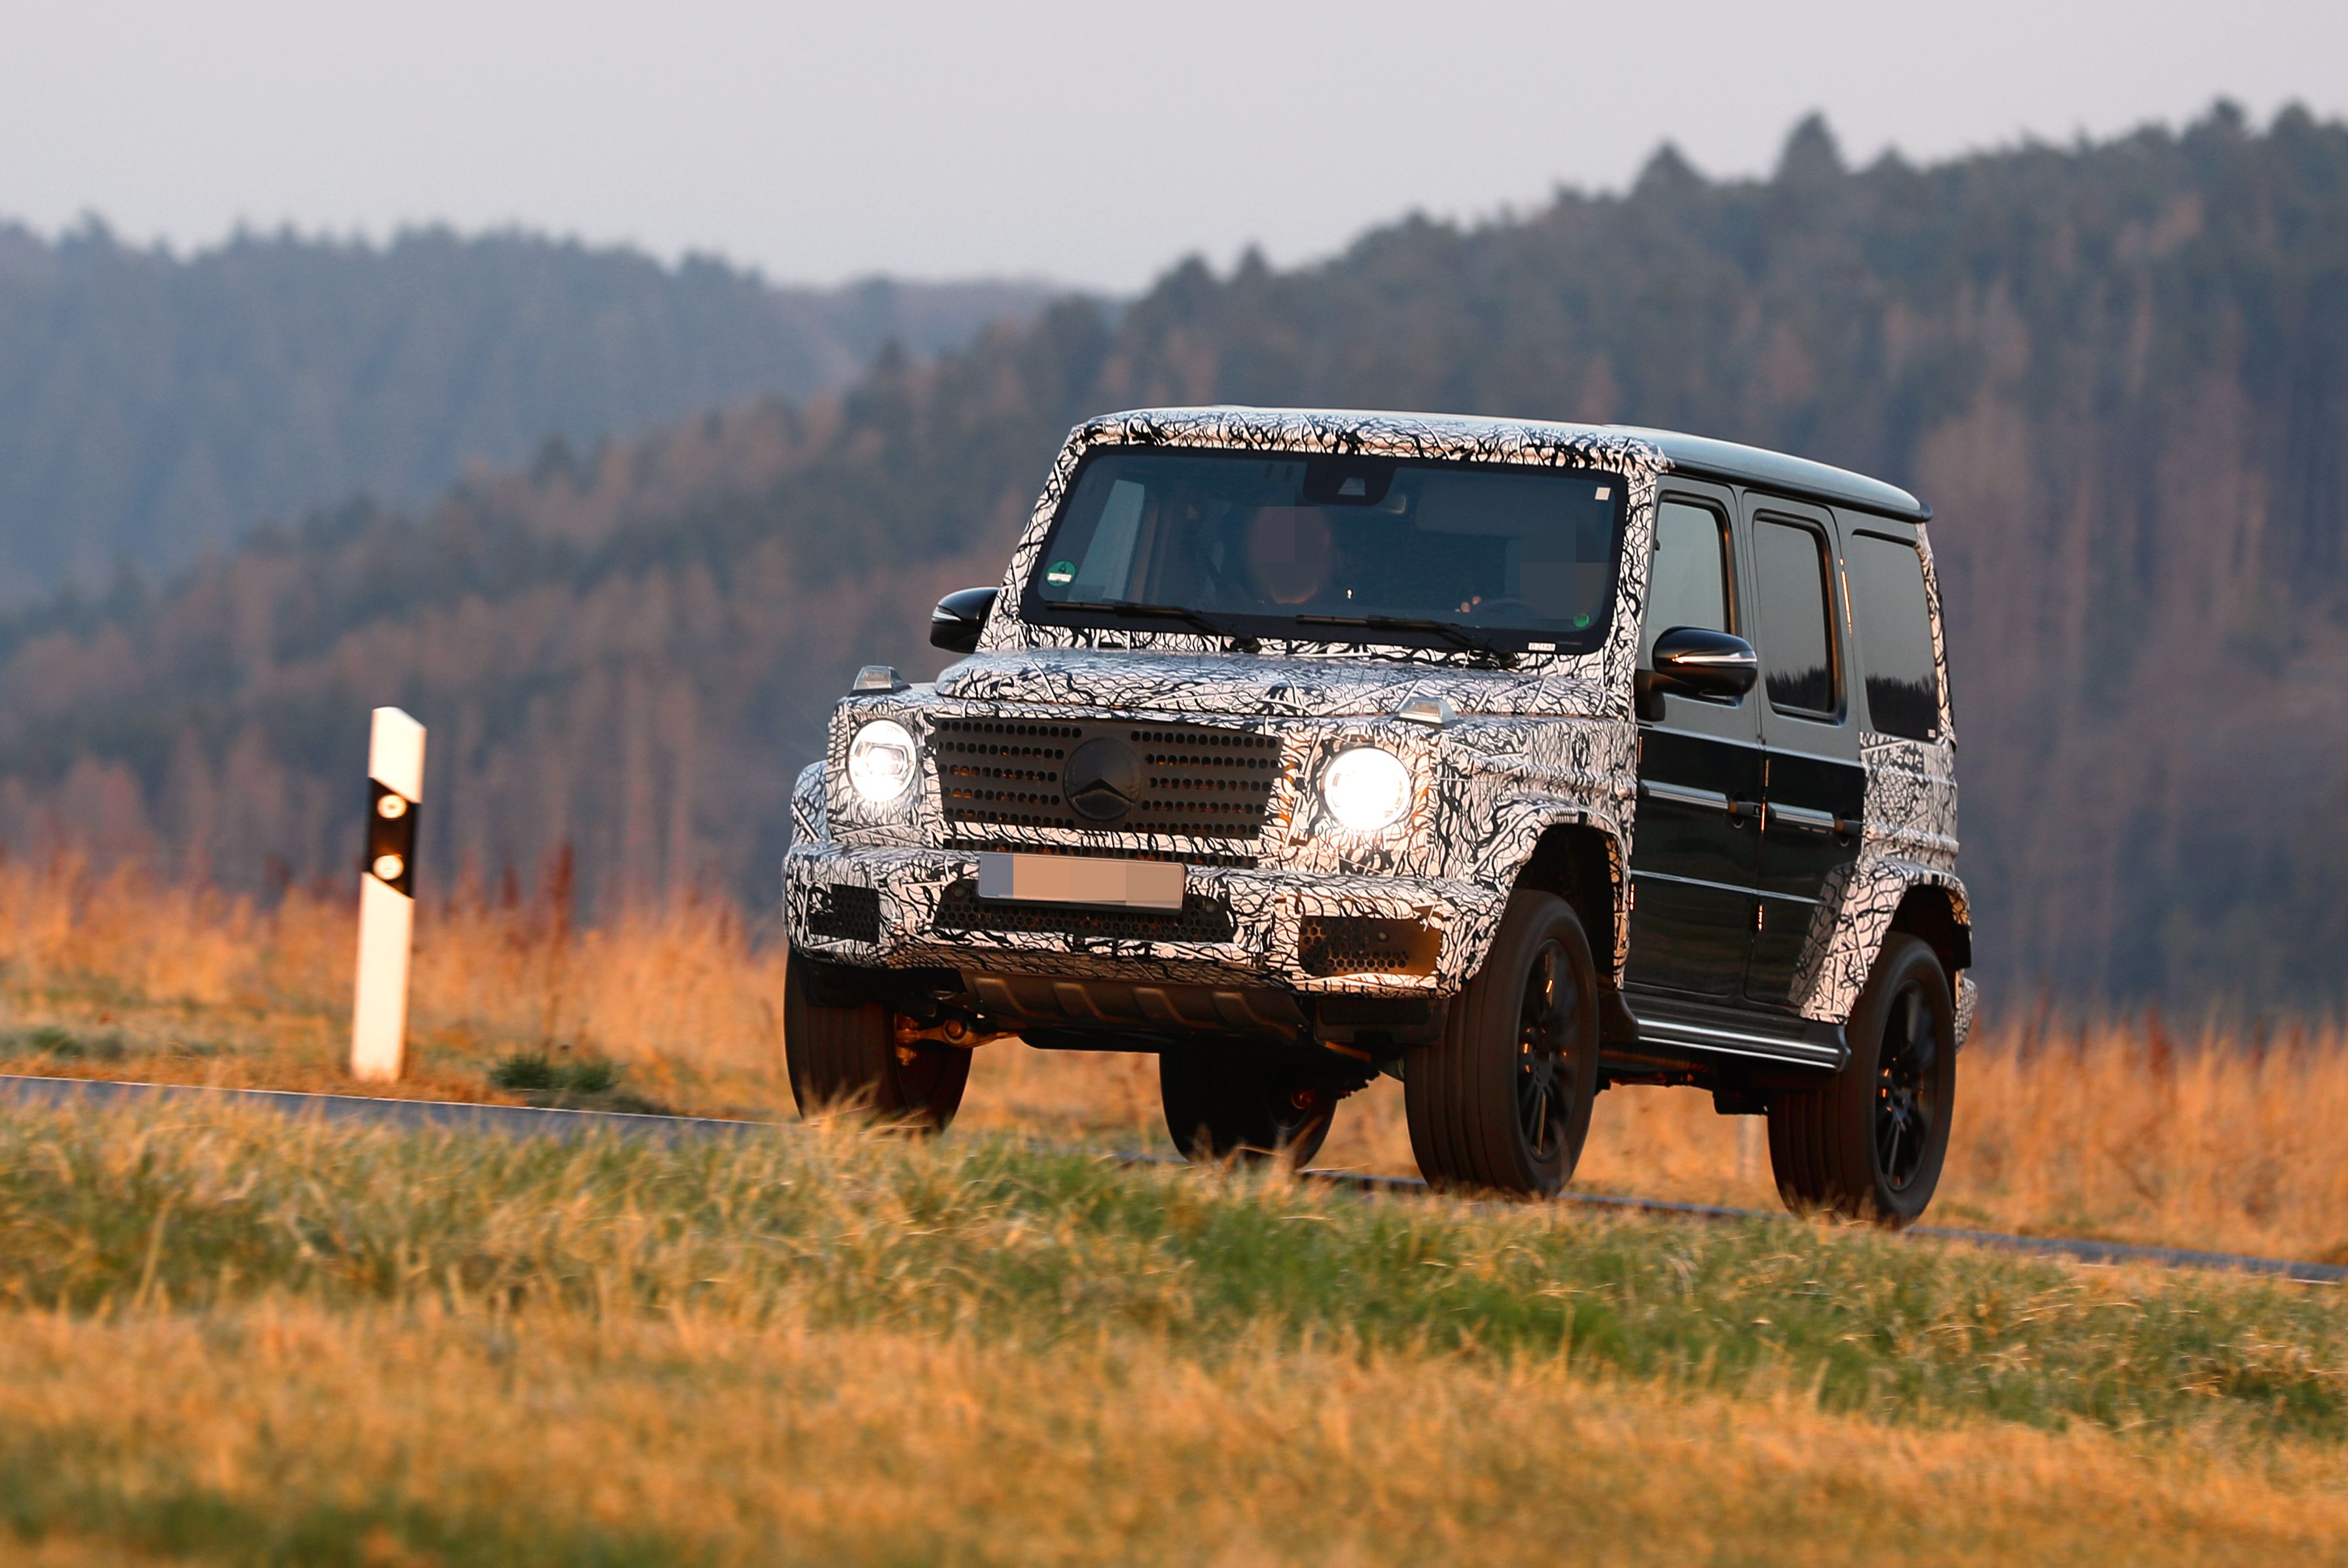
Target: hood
1250 685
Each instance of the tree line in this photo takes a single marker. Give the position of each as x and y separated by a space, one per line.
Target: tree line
2118 371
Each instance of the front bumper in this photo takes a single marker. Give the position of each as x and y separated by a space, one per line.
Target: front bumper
1304 932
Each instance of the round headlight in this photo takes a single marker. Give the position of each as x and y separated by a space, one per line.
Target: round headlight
880 760
1366 788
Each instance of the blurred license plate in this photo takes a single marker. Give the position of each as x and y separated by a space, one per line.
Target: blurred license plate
1068 879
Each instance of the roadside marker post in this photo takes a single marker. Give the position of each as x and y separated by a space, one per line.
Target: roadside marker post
387 896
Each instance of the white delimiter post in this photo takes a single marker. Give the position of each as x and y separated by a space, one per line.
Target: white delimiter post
388 896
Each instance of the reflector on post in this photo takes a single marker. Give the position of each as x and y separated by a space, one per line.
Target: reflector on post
388 896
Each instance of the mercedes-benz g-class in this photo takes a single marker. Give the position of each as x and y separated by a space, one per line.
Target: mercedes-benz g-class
1512 758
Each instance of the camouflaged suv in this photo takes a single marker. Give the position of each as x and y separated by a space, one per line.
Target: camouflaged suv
1510 759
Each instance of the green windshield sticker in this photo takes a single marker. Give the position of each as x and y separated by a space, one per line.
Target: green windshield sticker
1063 572
1580 621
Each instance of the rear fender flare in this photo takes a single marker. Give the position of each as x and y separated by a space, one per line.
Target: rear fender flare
1860 906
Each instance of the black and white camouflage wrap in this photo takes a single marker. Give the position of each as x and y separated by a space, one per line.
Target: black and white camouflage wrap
1552 742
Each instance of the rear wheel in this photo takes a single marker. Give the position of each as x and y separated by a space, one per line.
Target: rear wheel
1502 1101
843 1055
1868 1143
1221 1104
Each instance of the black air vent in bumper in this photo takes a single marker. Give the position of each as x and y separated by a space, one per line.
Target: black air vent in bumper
844 912
1366 944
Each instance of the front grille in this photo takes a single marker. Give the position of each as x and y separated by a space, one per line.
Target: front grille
844 912
1200 919
1366 945
1199 780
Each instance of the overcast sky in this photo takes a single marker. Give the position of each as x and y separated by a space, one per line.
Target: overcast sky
1092 144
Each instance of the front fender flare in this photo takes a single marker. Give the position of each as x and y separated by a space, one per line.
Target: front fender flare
810 823
1519 827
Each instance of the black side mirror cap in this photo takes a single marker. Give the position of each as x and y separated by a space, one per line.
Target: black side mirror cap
959 616
1695 662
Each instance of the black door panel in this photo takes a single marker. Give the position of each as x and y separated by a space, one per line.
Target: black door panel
1815 787
1699 808
1696 841
1689 936
1815 805
1812 829
1691 861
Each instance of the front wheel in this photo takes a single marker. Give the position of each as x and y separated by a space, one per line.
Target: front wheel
843 1052
1221 1104
1868 1143
1502 1101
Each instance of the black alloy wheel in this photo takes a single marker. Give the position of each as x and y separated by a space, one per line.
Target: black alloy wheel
1224 1104
1545 1051
1907 1106
1502 1102
843 1055
1868 1143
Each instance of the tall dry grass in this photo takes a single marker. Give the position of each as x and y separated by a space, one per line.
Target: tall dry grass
187 983
626 1442
2115 1127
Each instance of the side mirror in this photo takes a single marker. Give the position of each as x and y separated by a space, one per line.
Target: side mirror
956 623
1692 661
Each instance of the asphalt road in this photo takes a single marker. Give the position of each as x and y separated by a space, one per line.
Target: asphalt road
519 1120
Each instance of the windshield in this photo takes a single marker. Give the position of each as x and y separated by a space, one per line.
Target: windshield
1334 549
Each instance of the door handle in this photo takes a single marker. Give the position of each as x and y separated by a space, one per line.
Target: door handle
1685 794
1744 811
1811 820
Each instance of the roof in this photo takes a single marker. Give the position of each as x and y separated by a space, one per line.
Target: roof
1473 435
1780 471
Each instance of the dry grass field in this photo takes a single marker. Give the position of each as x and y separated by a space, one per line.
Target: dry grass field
227 1337
2128 1129
284 1433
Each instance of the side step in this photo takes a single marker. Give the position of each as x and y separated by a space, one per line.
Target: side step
1692 1028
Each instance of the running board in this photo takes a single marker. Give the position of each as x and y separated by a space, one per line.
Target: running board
1725 1031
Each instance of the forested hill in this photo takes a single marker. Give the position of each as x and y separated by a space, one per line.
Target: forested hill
153 406
2119 371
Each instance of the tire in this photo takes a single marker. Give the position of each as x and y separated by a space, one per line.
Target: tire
843 1055
1502 1101
1224 1105
1868 1142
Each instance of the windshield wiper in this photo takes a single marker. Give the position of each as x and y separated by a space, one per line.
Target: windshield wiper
1451 631
1242 641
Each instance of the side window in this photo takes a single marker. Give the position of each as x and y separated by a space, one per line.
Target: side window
1790 566
1895 636
1688 584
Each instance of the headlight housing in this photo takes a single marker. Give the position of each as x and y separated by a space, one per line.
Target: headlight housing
1366 788
881 762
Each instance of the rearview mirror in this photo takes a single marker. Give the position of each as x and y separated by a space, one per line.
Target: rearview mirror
956 623
1695 662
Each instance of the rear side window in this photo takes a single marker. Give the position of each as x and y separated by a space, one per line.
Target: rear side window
1895 637
1689 583
1790 562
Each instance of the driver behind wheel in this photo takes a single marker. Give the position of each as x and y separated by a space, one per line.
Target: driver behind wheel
1288 552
